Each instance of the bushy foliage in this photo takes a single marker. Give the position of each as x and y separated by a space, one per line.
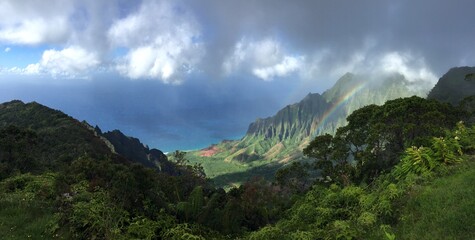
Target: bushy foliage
362 196
27 209
416 160
376 136
443 150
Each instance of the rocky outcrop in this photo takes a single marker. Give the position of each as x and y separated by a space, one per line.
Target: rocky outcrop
133 149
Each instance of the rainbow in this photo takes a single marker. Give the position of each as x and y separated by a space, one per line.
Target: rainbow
339 102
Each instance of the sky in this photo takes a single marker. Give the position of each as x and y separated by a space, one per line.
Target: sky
182 74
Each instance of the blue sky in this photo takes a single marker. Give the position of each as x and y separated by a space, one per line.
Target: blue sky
184 74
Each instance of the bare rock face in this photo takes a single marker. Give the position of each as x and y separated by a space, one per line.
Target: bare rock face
292 127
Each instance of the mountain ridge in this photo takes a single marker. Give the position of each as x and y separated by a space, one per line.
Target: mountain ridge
63 138
279 139
295 124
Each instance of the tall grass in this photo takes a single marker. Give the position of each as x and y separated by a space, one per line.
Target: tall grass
444 209
22 218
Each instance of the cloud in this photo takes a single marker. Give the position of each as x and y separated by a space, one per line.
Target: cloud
34 22
167 40
70 62
374 63
35 31
163 42
7 49
266 59
286 66
414 69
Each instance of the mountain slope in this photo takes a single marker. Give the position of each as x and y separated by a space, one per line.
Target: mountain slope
292 125
282 136
59 139
276 140
455 85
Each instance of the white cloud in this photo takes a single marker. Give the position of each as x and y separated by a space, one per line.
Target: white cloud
265 59
35 31
163 42
69 62
288 65
358 62
7 49
34 22
412 68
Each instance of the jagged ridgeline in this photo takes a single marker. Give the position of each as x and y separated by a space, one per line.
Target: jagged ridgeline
55 139
281 138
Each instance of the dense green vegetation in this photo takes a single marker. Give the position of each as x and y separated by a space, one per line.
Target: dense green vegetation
374 179
349 209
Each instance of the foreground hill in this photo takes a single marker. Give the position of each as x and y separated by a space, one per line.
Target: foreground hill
62 178
438 210
58 139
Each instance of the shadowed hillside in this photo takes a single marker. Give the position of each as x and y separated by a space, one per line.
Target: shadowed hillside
455 85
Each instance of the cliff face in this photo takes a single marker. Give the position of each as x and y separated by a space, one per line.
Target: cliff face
294 121
283 136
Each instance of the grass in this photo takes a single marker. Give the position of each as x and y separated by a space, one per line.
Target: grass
233 173
22 218
26 208
216 166
229 180
444 209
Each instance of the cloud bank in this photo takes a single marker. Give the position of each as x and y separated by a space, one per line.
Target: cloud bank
169 41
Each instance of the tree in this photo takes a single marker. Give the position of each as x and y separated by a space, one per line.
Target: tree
376 136
295 177
179 157
320 148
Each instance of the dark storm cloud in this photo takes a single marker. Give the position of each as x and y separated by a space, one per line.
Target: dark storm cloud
439 31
